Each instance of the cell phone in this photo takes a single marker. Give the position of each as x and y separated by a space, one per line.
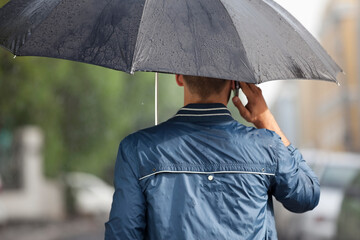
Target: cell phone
237 87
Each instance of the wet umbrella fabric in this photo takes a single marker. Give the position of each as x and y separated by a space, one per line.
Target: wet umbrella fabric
247 40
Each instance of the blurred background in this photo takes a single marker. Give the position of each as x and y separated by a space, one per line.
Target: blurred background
61 123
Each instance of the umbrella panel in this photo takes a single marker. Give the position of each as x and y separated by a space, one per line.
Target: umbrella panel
252 41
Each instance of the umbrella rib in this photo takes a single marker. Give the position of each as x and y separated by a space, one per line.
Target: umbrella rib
132 70
193 29
238 34
320 53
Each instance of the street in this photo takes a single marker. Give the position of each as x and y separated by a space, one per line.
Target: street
72 229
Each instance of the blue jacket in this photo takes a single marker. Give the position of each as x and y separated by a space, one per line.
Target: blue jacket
202 175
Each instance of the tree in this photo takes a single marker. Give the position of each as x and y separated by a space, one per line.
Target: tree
83 109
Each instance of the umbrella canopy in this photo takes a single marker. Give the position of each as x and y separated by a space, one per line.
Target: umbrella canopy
246 40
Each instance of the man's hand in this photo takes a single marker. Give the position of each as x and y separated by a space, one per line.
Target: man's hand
256 111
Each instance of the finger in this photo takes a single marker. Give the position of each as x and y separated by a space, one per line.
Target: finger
244 112
253 87
256 90
245 88
232 85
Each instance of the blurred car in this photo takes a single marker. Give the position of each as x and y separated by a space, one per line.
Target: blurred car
349 220
91 195
337 172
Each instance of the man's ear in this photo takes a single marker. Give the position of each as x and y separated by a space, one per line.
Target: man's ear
179 80
232 85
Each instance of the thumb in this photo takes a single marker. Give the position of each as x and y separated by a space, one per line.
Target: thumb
244 112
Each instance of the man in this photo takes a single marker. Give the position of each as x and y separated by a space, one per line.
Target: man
202 175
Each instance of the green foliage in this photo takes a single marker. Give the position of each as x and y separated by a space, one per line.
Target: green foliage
3 2
84 110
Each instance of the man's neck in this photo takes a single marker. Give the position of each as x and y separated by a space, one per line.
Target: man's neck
197 100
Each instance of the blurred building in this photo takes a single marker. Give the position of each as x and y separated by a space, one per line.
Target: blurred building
329 114
26 195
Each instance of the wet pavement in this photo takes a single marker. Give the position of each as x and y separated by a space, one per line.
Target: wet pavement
72 229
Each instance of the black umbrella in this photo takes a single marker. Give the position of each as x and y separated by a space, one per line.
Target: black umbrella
246 40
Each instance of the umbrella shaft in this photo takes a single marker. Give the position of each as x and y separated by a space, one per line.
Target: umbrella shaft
156 98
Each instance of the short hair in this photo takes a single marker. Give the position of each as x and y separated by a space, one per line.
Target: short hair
204 86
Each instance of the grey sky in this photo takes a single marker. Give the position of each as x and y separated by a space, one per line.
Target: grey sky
308 12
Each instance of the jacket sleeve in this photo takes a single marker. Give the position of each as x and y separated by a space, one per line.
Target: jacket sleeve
127 215
296 185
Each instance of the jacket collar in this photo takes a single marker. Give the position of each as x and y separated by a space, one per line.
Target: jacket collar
204 112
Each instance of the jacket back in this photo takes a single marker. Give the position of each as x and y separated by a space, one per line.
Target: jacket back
206 178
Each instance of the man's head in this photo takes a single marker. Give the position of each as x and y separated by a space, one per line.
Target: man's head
204 89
